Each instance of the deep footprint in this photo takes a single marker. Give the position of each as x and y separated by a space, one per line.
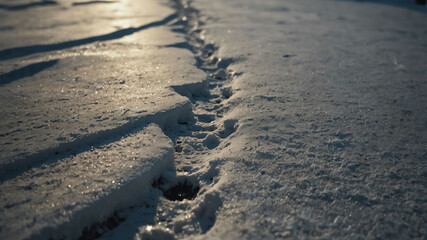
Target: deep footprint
181 191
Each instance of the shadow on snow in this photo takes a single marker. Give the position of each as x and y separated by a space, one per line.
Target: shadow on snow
91 2
26 71
28 50
27 5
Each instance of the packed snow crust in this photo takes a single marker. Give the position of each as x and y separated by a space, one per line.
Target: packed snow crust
241 119
61 199
77 137
87 90
331 106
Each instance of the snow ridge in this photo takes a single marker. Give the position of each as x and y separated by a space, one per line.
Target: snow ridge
14 167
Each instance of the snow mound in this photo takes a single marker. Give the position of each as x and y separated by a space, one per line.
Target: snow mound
61 199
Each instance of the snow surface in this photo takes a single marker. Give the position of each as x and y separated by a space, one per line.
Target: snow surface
241 119
89 90
81 189
331 105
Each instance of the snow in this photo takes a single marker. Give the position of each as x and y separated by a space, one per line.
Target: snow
89 92
84 188
241 119
328 90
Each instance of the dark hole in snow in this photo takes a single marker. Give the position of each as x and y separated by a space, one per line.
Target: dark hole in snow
96 230
178 148
181 191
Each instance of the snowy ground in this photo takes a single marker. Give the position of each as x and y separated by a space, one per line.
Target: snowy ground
213 119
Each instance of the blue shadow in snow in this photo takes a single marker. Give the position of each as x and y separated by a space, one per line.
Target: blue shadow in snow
91 2
26 71
11 53
27 5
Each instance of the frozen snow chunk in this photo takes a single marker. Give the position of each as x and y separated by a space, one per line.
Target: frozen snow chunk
227 92
154 232
192 89
220 74
206 210
202 216
61 199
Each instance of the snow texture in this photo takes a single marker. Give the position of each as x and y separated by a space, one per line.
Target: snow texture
84 188
226 119
331 106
